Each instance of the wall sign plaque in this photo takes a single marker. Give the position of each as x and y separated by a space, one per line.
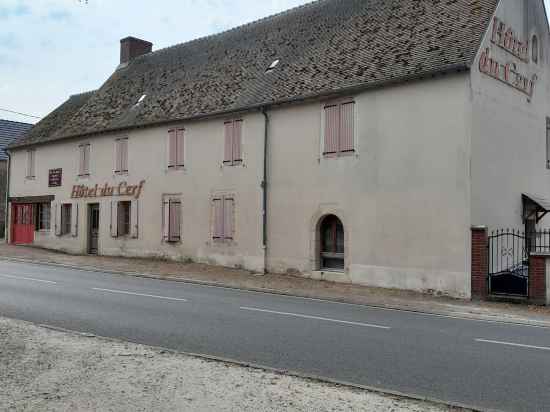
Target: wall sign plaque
122 189
55 177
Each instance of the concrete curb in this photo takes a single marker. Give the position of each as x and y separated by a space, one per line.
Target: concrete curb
302 375
465 316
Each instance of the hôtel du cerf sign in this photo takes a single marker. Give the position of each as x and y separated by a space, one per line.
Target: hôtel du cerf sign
505 38
122 189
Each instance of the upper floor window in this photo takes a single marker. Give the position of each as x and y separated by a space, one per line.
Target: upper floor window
233 142
535 49
175 148
339 128
31 164
84 160
121 155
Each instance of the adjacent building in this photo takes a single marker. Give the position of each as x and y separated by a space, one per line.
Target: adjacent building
349 140
9 132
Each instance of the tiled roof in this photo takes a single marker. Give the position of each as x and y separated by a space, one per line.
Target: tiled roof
10 131
325 47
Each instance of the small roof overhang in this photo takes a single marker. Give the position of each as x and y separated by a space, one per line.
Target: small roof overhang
534 206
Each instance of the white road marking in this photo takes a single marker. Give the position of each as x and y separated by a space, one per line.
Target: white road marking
29 279
123 292
519 345
297 315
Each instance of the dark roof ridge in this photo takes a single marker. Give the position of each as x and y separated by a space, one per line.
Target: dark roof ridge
233 29
83 93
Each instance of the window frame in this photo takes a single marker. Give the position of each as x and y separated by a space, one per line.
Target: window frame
124 218
179 163
233 160
43 221
341 151
66 219
227 235
82 157
121 169
30 172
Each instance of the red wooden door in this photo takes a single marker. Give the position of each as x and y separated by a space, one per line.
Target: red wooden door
23 226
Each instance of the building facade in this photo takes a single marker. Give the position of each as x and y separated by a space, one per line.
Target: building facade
9 132
338 154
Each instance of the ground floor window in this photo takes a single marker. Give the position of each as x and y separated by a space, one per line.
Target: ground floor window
172 219
223 212
66 215
43 216
332 243
123 214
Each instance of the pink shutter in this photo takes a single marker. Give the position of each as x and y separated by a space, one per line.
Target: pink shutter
228 152
174 220
125 155
237 140
166 220
228 218
81 167
347 114
118 156
218 218
172 148
180 147
332 125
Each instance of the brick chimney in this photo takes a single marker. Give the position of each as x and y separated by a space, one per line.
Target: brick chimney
130 48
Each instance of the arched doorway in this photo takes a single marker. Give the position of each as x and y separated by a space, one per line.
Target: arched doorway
331 235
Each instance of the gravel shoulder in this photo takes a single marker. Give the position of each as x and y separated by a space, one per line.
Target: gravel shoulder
49 370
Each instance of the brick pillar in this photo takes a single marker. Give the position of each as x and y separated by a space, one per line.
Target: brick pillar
479 262
537 279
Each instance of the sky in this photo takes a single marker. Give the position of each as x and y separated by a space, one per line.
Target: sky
51 49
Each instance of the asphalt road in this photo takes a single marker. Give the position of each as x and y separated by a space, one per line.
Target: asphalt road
484 364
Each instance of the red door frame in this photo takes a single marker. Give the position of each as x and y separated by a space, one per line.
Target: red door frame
22 223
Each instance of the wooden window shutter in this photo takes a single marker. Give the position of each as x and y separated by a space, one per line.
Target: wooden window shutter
217 206
180 147
237 140
87 159
228 217
118 156
228 151
124 155
347 126
57 223
74 220
81 161
174 220
172 148
548 142
332 126
114 218
134 219
166 220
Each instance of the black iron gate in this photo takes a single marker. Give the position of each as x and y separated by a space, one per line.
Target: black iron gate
509 262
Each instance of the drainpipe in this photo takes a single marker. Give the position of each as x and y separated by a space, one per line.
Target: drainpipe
6 200
264 188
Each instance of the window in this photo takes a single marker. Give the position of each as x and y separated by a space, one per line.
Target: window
548 142
66 212
339 128
223 210
233 142
332 243
123 216
172 219
121 155
175 148
535 49
31 159
43 216
84 161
